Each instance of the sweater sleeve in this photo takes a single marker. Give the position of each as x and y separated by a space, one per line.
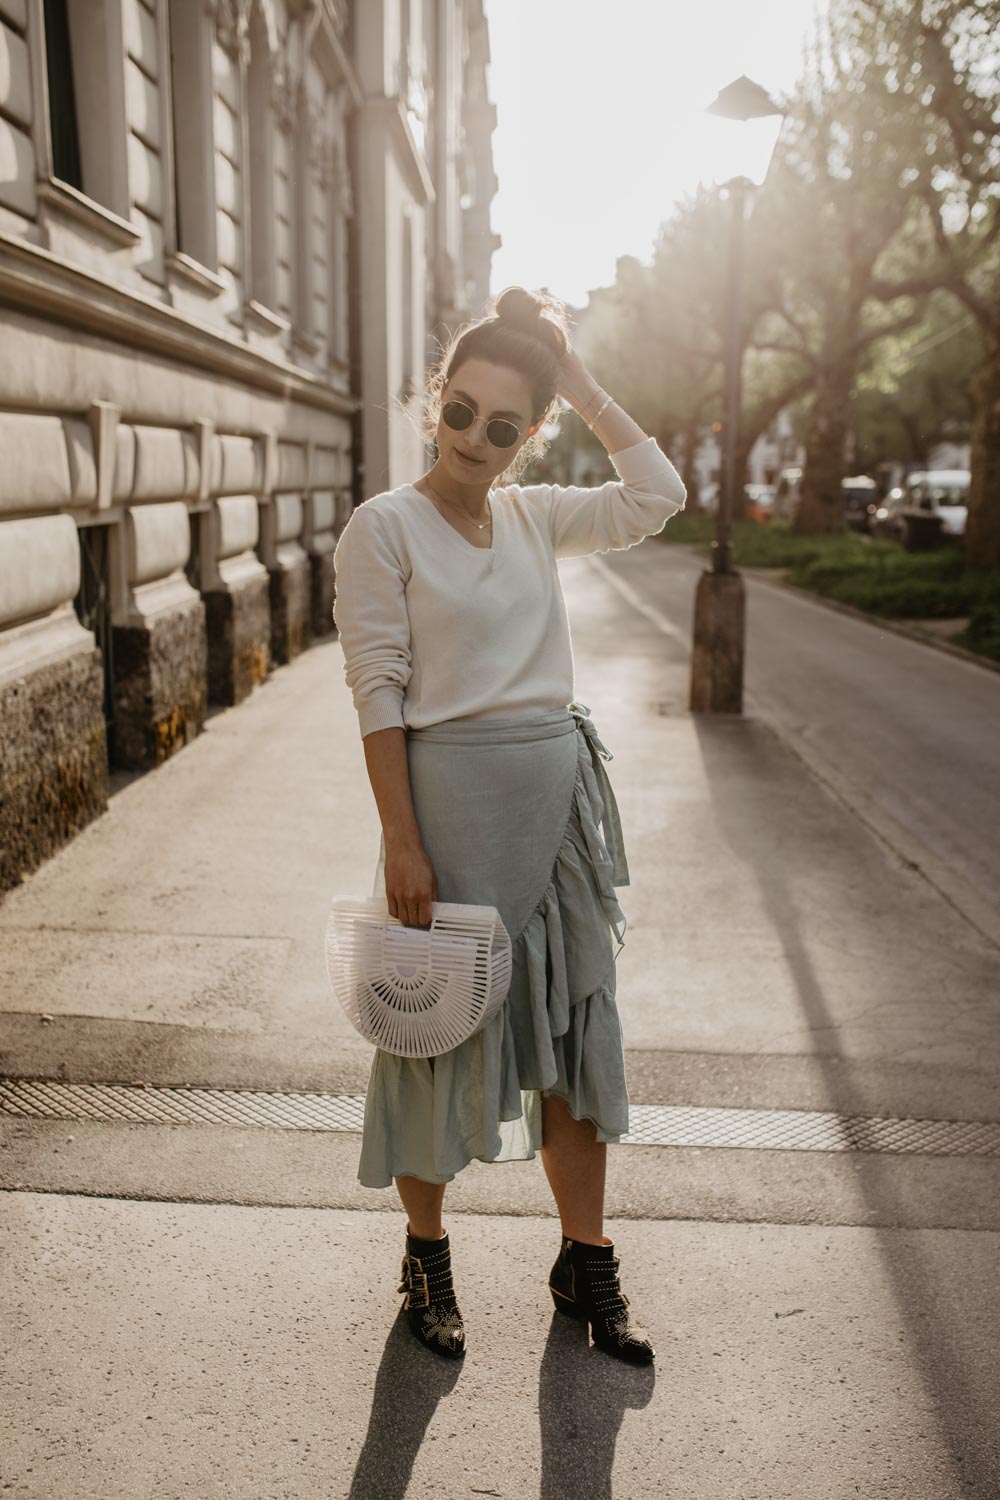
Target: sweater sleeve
611 516
370 614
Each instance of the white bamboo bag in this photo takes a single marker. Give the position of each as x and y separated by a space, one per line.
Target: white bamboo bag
417 991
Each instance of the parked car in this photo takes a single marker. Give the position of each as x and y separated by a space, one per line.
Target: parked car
929 508
887 521
759 501
858 502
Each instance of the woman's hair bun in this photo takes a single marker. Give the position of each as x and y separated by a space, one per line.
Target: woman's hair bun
536 314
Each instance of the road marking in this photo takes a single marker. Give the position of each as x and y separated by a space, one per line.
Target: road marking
627 592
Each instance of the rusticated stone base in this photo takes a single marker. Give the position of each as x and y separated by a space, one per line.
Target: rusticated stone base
160 687
321 594
53 761
239 632
290 612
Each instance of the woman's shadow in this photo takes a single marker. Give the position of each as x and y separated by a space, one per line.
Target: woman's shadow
409 1384
583 1395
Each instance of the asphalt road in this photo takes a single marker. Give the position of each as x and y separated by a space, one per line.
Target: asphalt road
908 734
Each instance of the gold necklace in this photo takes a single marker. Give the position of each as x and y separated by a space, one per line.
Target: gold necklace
479 525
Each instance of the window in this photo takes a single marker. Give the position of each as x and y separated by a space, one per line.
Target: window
262 164
340 213
85 77
62 98
194 167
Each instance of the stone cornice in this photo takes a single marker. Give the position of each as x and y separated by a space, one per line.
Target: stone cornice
34 281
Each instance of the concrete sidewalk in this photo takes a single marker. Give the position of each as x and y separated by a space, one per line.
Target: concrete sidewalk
208 1310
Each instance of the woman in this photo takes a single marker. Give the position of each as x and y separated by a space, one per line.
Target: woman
490 787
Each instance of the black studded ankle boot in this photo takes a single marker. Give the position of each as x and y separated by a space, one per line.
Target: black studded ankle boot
584 1284
430 1304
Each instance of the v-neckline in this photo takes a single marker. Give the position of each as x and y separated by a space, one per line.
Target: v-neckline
493 550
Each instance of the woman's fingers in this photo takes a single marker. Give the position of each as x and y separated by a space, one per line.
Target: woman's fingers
411 885
412 911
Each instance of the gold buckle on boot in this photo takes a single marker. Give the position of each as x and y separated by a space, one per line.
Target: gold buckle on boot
413 1282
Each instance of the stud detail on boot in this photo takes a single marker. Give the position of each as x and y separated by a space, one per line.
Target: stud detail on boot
430 1304
584 1284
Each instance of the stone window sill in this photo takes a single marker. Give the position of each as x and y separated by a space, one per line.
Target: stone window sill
304 342
62 201
186 268
263 319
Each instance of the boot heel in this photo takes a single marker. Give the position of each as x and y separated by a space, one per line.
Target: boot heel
591 1271
566 1305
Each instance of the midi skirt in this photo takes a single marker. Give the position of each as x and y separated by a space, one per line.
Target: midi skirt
516 813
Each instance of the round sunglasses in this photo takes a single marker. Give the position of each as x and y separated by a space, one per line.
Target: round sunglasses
501 433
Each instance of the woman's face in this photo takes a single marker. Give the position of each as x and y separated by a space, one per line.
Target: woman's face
491 391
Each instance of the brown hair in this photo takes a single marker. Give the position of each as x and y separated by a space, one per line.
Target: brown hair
524 331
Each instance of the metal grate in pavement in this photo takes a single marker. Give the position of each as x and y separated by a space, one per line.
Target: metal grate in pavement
650 1124
808 1130
46 1099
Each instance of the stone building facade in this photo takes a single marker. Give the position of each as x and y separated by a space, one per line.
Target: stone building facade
230 233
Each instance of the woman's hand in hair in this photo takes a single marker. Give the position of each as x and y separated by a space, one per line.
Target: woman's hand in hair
574 382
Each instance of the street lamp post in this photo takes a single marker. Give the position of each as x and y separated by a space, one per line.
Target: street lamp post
720 602
733 389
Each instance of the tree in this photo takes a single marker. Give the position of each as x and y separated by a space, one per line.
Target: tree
655 336
832 209
914 393
937 68
657 339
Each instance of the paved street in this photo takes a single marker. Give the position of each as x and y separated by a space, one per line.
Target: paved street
908 733
210 1310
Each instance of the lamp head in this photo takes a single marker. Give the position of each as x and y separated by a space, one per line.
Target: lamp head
744 154
743 100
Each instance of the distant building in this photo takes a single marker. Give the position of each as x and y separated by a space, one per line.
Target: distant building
948 456
228 232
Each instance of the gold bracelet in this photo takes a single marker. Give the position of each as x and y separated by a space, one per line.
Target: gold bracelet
601 409
590 401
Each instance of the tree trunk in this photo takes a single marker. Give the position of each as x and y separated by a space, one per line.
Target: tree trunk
982 526
757 419
819 509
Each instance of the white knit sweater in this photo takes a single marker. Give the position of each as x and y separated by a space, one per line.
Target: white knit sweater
434 628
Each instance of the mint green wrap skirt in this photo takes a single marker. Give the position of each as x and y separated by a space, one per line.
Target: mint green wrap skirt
516 813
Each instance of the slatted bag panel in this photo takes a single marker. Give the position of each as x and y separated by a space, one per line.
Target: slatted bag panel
417 991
